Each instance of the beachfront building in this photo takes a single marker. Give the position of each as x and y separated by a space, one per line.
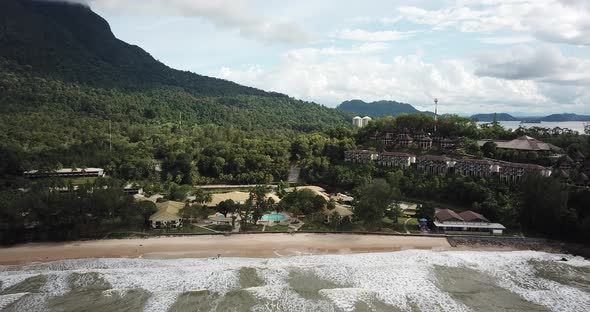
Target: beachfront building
476 167
360 156
523 143
66 173
435 164
395 159
513 172
467 222
340 210
167 216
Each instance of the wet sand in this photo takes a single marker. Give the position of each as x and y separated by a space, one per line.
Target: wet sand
254 246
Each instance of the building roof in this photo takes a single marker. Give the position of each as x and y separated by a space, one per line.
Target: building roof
167 211
340 210
67 170
316 189
490 226
425 139
447 215
237 197
581 178
476 161
396 154
470 216
525 143
404 136
579 156
522 165
435 158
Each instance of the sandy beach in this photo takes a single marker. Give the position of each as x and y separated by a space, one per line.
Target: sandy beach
255 246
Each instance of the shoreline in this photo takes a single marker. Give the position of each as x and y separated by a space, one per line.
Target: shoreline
207 246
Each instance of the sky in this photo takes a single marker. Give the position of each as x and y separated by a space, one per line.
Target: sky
517 56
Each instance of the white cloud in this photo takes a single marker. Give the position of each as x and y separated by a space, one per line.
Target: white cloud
560 21
403 78
363 35
229 14
507 40
545 64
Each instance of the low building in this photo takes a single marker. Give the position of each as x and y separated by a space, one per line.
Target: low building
404 140
395 159
236 196
360 156
424 142
340 210
476 167
523 143
167 216
66 173
467 222
513 172
435 164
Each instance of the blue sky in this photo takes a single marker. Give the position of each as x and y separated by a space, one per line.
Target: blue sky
518 56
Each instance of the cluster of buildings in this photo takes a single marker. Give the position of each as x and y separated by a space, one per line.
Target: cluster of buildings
406 138
66 173
360 122
466 222
436 164
574 169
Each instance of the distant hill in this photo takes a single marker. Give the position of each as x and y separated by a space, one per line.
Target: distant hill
62 58
379 108
566 117
490 117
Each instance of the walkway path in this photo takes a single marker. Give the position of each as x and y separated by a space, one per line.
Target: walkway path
294 173
206 228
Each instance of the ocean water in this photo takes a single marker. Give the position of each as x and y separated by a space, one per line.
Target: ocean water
572 125
411 280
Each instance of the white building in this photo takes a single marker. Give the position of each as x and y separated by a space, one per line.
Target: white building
365 121
357 122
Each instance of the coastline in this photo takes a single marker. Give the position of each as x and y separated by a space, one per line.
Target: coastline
207 246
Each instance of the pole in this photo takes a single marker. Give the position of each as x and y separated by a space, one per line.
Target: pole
435 114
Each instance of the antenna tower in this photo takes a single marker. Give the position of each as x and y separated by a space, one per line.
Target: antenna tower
435 113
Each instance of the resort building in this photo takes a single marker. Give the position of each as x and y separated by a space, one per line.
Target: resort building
360 156
467 222
361 122
514 172
476 167
523 143
581 179
340 210
424 142
404 140
435 164
395 159
167 216
237 197
66 173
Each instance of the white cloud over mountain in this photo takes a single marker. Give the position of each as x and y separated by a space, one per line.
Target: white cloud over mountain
476 55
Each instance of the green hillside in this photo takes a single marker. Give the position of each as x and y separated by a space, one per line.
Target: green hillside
63 58
379 108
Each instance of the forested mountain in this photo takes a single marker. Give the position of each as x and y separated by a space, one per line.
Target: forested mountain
498 117
63 58
566 117
379 108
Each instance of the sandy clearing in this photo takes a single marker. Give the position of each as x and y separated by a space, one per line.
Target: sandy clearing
254 245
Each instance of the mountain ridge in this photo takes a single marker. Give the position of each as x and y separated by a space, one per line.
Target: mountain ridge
69 56
378 109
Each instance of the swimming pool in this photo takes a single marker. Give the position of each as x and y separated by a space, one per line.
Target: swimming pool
272 217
